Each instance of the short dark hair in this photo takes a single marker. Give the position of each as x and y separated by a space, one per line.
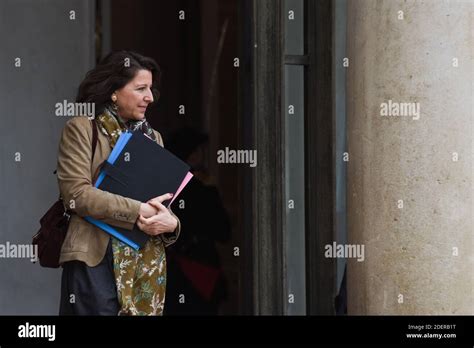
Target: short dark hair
112 73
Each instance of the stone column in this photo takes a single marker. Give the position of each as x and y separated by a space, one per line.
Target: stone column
410 177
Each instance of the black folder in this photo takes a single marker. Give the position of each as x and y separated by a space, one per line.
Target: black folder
140 169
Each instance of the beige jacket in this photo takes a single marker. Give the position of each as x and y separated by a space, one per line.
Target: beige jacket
84 241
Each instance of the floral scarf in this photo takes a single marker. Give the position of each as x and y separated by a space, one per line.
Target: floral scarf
140 276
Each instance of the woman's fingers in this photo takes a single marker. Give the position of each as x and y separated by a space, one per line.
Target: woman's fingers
158 218
148 229
154 225
157 224
161 198
158 205
147 221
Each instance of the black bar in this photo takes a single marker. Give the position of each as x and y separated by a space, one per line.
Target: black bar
243 329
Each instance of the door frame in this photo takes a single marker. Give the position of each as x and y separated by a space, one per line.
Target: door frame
267 60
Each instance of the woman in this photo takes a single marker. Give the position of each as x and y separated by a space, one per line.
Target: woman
102 276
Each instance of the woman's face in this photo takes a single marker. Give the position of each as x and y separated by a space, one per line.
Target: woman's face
134 98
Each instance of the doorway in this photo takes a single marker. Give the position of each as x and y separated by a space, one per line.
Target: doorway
198 47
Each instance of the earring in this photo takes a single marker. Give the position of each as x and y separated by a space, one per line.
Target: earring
114 104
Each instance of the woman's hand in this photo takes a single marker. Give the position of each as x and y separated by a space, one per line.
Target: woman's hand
147 210
162 221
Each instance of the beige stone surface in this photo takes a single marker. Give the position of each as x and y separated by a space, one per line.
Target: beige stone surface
409 251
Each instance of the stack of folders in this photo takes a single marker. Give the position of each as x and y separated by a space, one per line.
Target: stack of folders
140 169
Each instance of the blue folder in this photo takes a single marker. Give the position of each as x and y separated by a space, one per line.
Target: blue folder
140 169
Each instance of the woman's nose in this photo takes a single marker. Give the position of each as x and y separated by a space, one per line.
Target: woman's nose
149 97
